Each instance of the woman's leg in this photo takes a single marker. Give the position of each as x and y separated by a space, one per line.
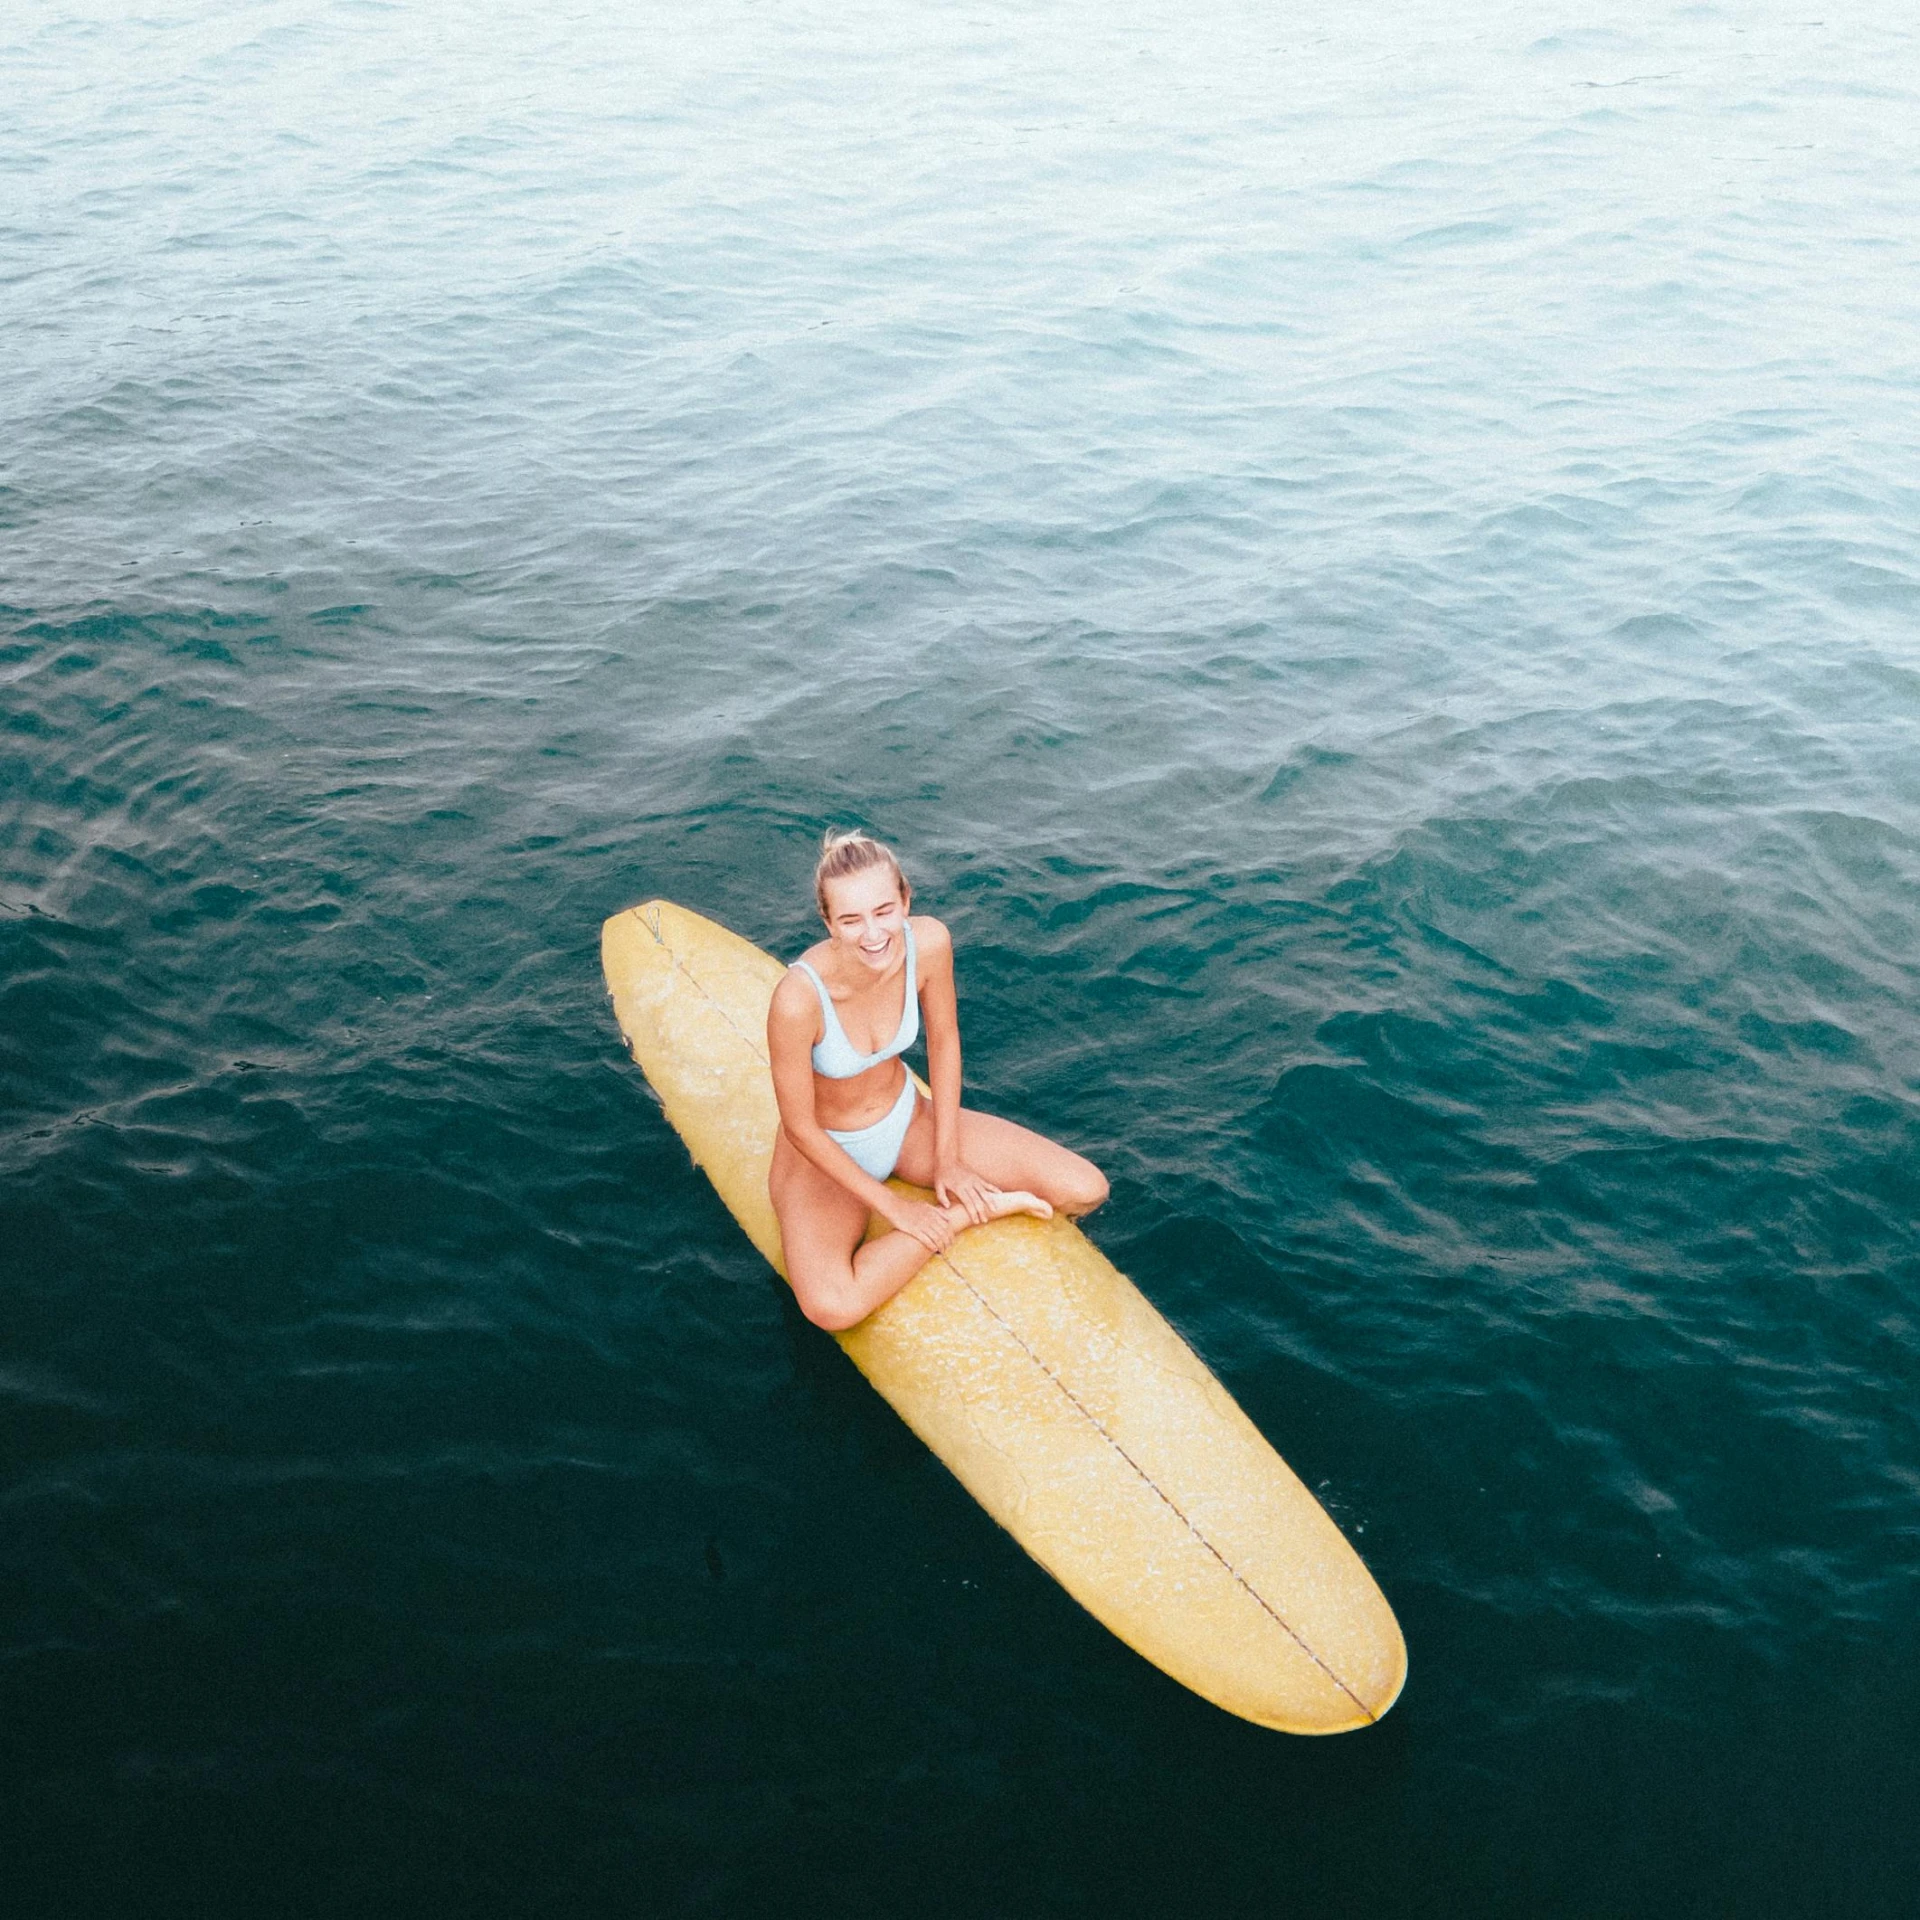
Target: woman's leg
836 1280
1010 1157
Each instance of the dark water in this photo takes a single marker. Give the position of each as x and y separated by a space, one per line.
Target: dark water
1371 566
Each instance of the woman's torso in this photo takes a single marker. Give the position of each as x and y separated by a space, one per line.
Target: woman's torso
871 1018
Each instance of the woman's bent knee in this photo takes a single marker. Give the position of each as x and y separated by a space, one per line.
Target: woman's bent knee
1086 1190
828 1302
832 1316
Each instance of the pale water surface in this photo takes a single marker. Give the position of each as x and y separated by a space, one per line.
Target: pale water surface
1371 560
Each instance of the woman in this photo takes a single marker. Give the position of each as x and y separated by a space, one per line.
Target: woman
850 1114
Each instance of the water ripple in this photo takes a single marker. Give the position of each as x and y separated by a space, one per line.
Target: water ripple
1370 566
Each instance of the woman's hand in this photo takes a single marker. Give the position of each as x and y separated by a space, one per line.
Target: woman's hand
957 1185
929 1225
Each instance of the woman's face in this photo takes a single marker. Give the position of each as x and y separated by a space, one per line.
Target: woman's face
867 917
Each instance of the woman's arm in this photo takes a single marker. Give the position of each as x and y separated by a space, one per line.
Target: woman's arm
953 1180
793 1025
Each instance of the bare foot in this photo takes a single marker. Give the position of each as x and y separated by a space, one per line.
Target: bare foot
1000 1204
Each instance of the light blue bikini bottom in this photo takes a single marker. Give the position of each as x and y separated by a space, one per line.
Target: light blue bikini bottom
875 1149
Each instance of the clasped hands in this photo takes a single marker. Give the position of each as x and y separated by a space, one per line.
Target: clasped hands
957 1188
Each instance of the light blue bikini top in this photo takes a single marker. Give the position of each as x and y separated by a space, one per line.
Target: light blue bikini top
835 1055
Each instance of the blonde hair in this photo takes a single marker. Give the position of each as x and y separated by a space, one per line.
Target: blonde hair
852 851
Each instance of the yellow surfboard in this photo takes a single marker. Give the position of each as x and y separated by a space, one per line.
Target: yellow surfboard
1043 1378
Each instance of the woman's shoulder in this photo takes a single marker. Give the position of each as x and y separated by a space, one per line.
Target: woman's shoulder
793 992
930 935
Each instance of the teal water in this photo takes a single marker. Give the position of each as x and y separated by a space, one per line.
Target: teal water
1369 562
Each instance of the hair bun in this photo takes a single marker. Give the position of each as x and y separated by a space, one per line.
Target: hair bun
847 850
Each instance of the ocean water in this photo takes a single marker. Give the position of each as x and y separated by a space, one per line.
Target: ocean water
1370 561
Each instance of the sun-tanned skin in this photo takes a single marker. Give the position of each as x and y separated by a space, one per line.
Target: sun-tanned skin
978 1167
